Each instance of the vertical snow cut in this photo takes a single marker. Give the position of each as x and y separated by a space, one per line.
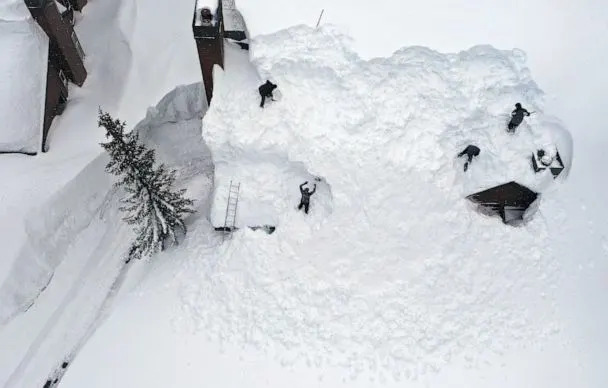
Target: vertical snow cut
392 268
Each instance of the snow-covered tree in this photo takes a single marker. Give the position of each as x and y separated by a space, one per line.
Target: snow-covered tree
151 204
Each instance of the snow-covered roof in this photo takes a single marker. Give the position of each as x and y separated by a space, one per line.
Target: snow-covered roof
23 67
13 10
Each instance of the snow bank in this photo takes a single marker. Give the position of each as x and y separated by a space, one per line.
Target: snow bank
391 267
51 228
24 48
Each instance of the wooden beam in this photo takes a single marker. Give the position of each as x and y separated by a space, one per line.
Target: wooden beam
63 36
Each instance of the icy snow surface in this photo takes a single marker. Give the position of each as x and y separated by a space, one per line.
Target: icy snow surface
23 67
391 268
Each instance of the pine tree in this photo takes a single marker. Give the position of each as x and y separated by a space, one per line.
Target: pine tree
151 204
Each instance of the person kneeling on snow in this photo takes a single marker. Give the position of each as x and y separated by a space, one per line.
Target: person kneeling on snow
306 193
470 151
517 116
266 92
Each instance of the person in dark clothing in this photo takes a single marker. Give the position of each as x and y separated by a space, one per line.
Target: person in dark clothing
266 92
306 193
470 151
517 116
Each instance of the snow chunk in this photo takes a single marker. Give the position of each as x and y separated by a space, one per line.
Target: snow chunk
24 48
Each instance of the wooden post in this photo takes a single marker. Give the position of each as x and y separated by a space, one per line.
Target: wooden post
63 39
210 46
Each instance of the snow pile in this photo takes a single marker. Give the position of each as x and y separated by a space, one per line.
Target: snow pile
24 48
392 268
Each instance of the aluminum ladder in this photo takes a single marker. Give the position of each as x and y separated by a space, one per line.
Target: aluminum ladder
231 208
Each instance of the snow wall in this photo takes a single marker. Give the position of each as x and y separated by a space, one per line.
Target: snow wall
55 226
392 267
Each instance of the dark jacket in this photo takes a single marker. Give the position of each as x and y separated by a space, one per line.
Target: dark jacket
517 116
470 151
306 194
267 89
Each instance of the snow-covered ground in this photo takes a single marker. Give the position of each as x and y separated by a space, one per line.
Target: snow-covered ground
151 330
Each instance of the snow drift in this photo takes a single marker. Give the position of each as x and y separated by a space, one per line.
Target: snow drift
392 272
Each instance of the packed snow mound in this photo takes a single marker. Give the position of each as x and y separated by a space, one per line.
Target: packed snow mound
391 268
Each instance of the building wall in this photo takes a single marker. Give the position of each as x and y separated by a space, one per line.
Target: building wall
210 47
210 53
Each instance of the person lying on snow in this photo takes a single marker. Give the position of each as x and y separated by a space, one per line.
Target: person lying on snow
517 116
470 151
306 193
266 92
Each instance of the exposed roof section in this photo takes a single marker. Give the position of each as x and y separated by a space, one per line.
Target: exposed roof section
23 67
